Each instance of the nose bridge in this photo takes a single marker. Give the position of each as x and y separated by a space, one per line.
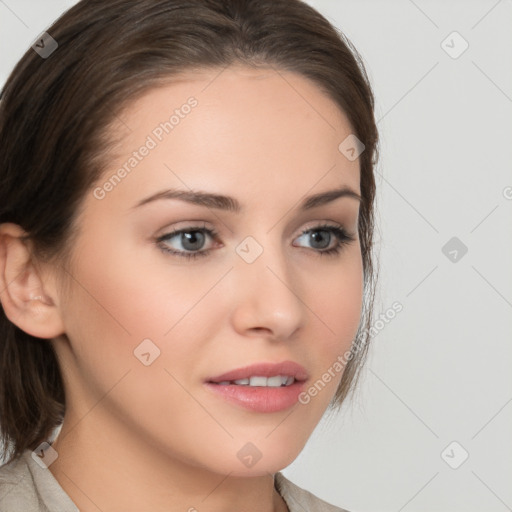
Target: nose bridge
267 290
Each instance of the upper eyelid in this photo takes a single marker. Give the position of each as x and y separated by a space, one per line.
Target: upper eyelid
318 225
196 227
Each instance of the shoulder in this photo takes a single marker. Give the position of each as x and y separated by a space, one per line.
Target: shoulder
299 499
25 485
17 488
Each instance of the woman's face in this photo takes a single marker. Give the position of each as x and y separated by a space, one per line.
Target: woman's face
145 329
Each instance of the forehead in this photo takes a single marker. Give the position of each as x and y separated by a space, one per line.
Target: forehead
260 128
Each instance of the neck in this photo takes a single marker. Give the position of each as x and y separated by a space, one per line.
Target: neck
109 469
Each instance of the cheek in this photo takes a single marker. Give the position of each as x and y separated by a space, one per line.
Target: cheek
340 309
336 299
339 305
124 295
118 304
138 292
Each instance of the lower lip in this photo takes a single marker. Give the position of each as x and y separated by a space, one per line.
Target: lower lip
259 398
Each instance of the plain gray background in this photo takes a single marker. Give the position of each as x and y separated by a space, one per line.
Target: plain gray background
440 371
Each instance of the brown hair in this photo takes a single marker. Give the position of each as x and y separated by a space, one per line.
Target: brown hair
54 113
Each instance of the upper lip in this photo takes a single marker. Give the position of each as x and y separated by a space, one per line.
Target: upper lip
286 368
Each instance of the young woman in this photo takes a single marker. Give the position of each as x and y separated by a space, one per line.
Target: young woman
186 274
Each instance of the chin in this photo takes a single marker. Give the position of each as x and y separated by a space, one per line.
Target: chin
252 461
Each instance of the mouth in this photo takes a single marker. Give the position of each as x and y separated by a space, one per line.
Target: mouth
262 387
263 374
276 381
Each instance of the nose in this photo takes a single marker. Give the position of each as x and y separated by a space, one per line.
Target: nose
269 297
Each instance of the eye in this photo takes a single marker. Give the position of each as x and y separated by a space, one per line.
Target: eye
192 239
341 238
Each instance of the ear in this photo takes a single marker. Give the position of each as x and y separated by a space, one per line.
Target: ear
21 282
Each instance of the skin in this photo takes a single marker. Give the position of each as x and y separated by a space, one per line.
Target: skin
141 437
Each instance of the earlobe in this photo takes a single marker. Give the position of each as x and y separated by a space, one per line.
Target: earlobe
25 301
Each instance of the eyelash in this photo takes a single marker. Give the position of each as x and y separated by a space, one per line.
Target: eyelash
342 236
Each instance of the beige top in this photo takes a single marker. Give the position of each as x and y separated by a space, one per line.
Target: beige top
27 487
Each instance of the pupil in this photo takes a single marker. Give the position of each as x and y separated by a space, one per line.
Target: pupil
191 238
315 237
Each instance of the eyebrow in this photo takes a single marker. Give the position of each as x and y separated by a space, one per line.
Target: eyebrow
230 204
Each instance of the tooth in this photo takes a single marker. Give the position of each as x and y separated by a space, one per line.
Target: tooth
243 382
283 378
290 380
258 381
224 383
274 382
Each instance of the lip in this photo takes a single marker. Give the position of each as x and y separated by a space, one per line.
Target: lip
260 399
288 368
